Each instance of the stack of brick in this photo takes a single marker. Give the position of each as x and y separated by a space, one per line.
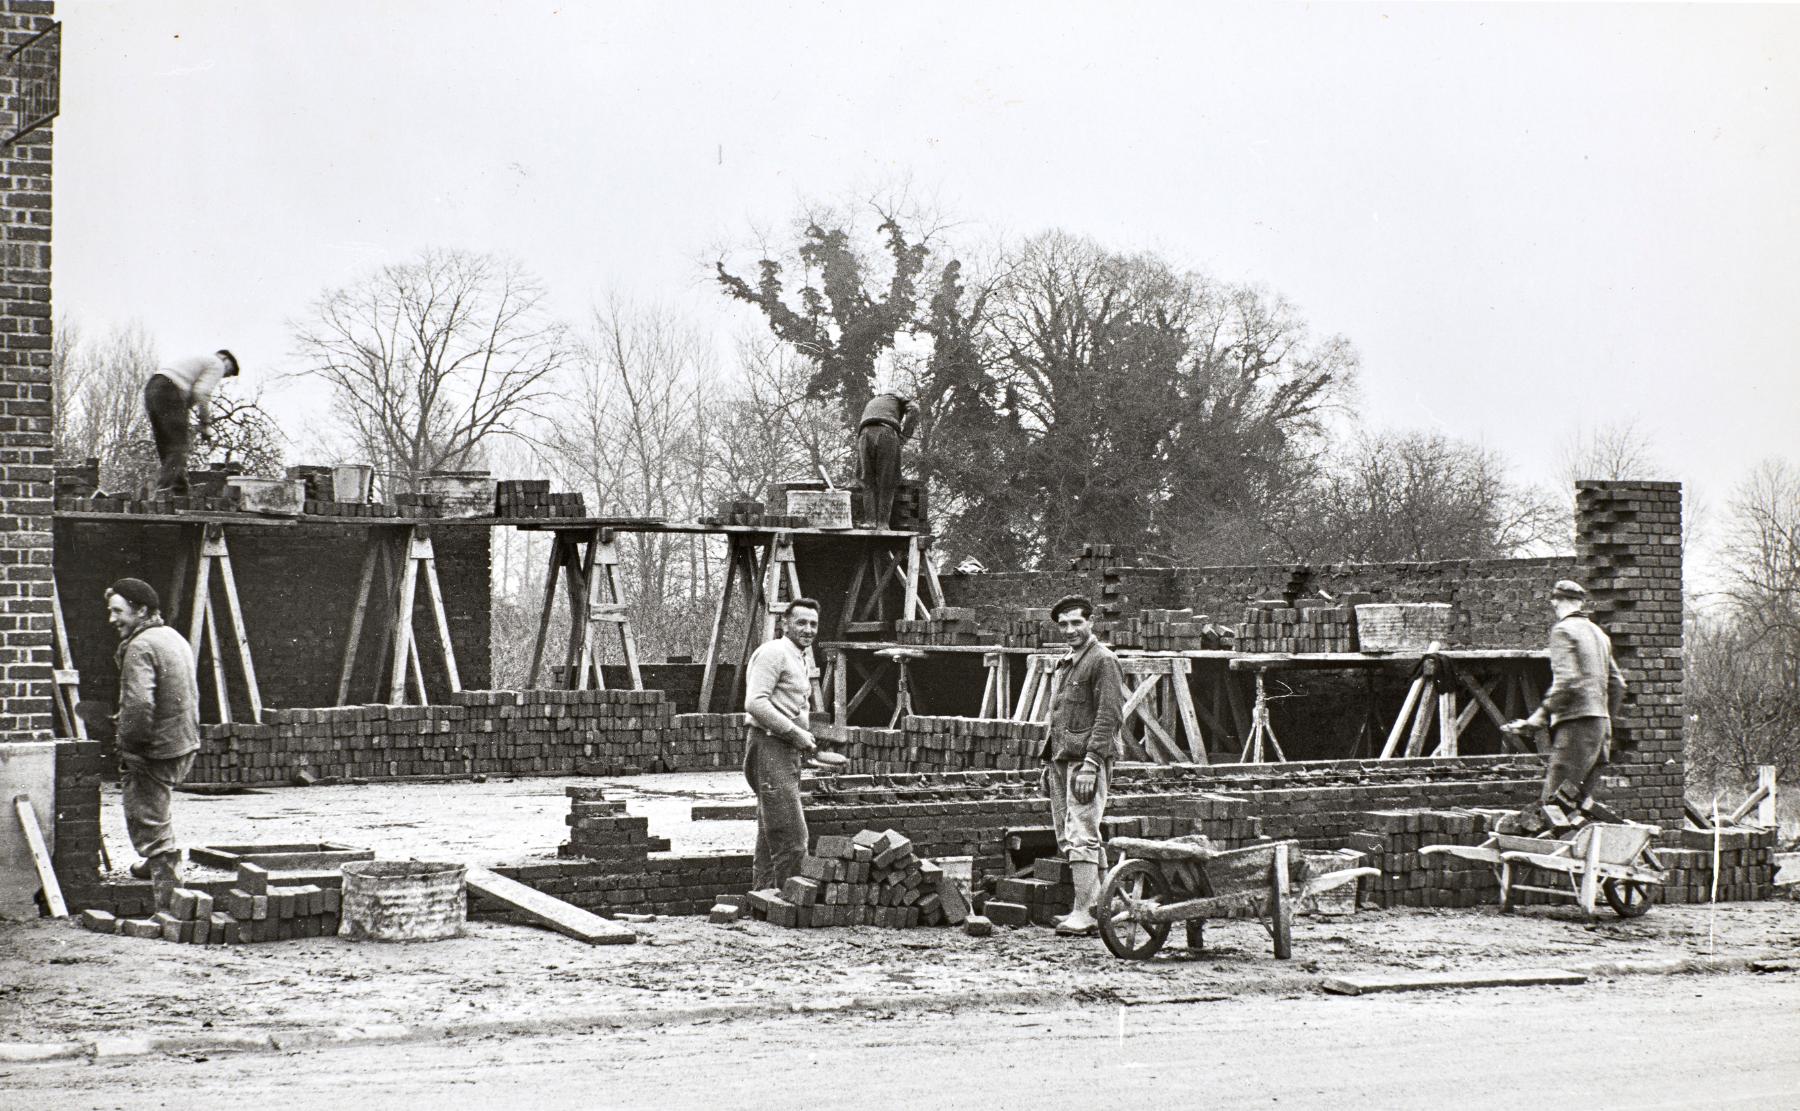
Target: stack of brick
1311 625
703 742
749 512
1032 900
600 830
76 858
1628 540
320 486
596 732
1746 865
1391 841
910 509
1182 630
325 507
226 503
531 499
1026 628
946 625
253 910
77 481
873 878
965 744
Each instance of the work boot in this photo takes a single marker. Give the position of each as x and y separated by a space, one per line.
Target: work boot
165 877
140 870
1080 921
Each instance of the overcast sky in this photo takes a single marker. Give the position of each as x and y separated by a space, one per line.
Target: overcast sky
1528 219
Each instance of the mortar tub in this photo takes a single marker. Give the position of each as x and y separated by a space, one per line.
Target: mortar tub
402 900
352 482
465 493
270 495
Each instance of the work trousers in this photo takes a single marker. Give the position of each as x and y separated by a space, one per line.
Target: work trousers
1577 753
773 771
878 459
1077 823
147 784
167 408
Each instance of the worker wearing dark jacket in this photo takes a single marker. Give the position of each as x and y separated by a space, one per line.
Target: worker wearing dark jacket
888 421
158 727
1080 747
1586 691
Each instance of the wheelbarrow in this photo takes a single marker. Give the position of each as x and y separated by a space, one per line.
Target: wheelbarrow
1596 860
1156 884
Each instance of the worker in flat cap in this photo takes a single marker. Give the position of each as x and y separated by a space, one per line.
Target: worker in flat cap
158 727
178 386
1586 691
1079 749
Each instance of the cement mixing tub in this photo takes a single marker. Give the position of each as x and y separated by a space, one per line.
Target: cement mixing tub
402 900
282 496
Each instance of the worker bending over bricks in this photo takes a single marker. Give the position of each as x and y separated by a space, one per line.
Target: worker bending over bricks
776 690
1079 750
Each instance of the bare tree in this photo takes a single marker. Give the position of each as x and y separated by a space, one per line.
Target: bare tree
429 360
1609 452
97 386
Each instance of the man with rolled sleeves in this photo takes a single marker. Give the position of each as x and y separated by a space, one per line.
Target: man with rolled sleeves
178 386
1586 691
887 422
158 727
777 693
1079 749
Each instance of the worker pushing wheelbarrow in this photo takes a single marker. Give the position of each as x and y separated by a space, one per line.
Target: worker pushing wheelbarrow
1156 884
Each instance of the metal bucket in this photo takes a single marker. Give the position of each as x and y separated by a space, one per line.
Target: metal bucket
352 482
402 900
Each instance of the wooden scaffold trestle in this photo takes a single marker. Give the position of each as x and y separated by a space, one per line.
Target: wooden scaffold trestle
401 555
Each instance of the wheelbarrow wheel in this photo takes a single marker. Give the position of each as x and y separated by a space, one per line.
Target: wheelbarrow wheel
1133 883
1628 898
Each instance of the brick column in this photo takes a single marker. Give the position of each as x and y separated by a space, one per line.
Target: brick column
25 453
1628 541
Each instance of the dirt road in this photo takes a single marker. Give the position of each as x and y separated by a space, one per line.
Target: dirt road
1642 1043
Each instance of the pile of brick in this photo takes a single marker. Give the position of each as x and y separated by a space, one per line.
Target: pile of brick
601 830
947 625
1027 628
1309 625
701 742
253 910
910 512
531 499
873 878
595 732
1032 900
1182 630
77 480
969 744
1391 841
750 513
227 503
1746 867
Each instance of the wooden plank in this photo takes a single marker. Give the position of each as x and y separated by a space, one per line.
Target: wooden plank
1406 710
358 613
1450 981
547 910
40 856
1446 711
1421 727
934 589
235 611
403 623
221 692
435 593
1190 720
910 604
543 631
714 639
202 604
840 686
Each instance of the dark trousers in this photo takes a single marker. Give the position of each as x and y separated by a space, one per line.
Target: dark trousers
878 458
773 771
167 408
1577 753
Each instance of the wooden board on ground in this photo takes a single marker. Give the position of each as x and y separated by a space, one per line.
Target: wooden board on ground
26 768
547 910
1441 981
40 857
304 857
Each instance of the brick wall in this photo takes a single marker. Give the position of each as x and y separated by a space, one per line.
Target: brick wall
1628 539
26 486
298 588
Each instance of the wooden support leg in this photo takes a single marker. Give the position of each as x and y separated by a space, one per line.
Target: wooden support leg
435 593
716 640
221 692
403 623
1421 727
240 636
358 613
840 686
1184 705
1413 694
543 632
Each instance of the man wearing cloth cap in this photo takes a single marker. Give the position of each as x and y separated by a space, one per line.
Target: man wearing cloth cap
887 421
1586 690
158 726
1080 747
180 385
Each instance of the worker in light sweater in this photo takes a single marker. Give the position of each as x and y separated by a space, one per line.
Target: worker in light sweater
176 387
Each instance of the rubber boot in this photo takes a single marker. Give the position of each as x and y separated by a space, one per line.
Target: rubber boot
165 877
1080 921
